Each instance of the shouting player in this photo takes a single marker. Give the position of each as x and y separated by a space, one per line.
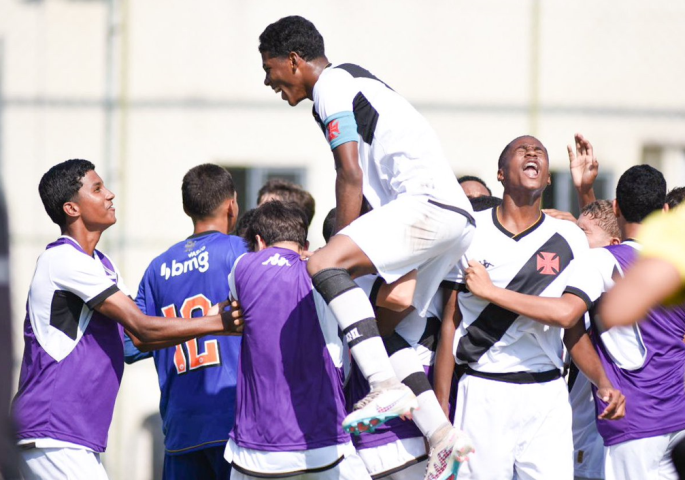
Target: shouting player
74 349
197 379
384 150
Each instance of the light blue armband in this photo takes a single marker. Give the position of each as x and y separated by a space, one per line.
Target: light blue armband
341 128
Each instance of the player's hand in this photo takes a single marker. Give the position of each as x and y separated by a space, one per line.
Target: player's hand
305 254
478 280
616 408
232 318
583 164
552 212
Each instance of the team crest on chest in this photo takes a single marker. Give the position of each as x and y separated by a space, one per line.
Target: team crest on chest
548 263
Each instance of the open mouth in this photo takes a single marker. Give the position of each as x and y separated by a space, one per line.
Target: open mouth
531 169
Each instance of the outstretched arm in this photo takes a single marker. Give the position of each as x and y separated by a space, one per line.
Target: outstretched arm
560 312
157 332
584 169
348 184
585 357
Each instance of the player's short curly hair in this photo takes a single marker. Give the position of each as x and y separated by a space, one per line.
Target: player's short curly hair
292 34
603 213
641 190
675 197
204 188
60 185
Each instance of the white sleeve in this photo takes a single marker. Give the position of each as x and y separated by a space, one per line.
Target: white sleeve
231 279
587 279
84 276
334 93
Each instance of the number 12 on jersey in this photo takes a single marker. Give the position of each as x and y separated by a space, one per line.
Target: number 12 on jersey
210 356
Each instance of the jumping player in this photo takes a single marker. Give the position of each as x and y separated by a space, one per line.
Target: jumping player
290 403
197 379
511 398
384 150
74 350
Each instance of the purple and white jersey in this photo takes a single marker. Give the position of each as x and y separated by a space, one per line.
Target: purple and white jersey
646 362
289 395
73 356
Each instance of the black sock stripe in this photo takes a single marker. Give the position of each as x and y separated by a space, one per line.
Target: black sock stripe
394 343
360 331
332 282
417 382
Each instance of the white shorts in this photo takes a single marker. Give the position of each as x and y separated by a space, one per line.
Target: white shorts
351 468
399 457
64 464
520 431
413 233
645 458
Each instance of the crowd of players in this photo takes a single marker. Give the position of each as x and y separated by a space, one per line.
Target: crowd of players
436 335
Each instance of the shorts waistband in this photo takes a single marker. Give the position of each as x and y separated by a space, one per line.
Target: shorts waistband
452 208
515 377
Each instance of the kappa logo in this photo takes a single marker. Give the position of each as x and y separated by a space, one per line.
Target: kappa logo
333 130
352 334
486 264
277 261
548 263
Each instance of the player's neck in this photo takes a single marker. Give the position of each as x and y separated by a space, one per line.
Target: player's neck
87 239
314 70
294 246
519 214
211 224
629 230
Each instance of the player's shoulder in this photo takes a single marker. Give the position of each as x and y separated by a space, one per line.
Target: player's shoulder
567 229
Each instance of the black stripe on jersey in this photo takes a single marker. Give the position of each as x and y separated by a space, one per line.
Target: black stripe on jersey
431 334
65 312
515 236
536 274
450 285
394 343
366 117
319 121
101 297
358 72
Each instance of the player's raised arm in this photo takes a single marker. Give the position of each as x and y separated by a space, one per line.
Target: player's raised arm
584 169
348 184
164 332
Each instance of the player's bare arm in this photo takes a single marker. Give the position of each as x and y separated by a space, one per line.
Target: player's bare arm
561 312
164 332
584 169
585 357
444 359
348 184
647 283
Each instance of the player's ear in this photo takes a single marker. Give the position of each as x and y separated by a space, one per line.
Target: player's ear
614 241
294 59
500 175
549 179
616 208
666 208
71 209
261 244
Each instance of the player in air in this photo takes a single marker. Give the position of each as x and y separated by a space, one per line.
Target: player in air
290 403
512 400
384 150
638 446
197 379
77 309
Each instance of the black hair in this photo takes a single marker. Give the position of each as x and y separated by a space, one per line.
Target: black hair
329 225
484 202
675 197
640 191
244 222
472 178
504 156
287 191
277 222
60 185
204 189
292 34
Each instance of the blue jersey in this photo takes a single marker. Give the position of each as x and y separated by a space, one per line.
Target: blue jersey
198 378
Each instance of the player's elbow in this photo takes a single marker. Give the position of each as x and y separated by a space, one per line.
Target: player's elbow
567 317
